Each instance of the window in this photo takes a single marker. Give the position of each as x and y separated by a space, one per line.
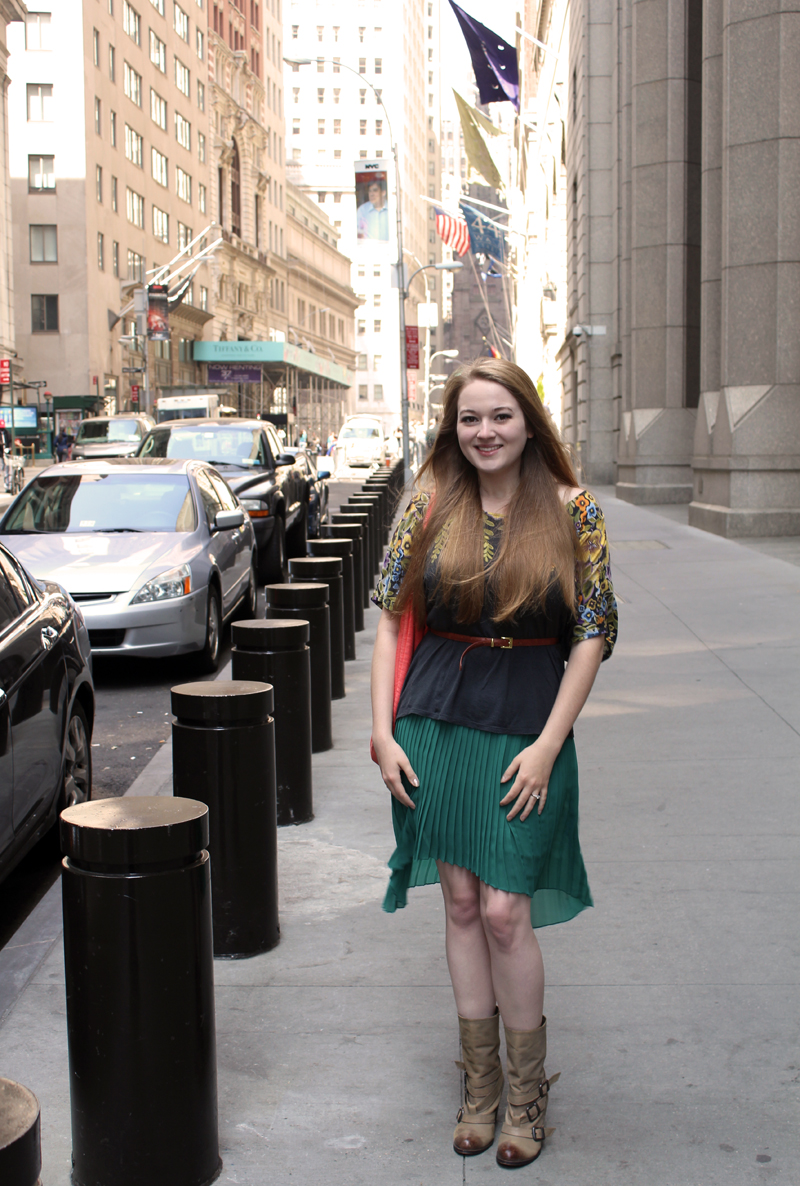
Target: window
296 94
320 32
160 167
376 361
236 192
201 148
135 207
44 314
295 30
376 298
40 102
183 131
201 96
185 236
361 33
182 78
114 203
362 127
95 47
337 127
183 184
158 5
41 172
378 127
362 391
135 265
115 258
376 272
158 110
362 94
320 94
158 52
337 69
131 22
376 325
362 362
161 224
134 147
295 127
101 263
98 116
362 65
204 298
201 45
43 245
181 22
37 31
132 84
201 198
361 327
320 127
112 63
98 182
377 391
379 65
320 65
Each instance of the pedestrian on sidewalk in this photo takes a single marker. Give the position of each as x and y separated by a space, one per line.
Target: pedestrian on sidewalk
499 573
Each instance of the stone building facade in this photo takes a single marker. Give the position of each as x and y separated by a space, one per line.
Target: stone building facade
681 361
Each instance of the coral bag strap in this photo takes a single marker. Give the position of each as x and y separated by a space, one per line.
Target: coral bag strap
409 637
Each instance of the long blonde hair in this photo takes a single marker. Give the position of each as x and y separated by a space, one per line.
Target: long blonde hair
538 544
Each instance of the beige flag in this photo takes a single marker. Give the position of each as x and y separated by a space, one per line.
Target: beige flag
476 127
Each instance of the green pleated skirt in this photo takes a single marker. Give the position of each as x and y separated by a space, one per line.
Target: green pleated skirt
458 819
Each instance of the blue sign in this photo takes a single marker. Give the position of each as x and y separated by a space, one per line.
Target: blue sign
220 372
23 417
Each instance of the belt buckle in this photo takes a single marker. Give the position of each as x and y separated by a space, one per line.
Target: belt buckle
506 643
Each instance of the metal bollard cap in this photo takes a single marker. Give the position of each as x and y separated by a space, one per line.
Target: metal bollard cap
271 634
321 567
20 1140
330 547
223 702
146 830
349 529
297 595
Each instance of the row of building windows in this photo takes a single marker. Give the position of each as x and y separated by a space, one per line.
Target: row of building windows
377 391
335 31
361 327
132 24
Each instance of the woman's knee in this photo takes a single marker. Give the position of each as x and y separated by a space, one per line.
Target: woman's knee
462 897
506 917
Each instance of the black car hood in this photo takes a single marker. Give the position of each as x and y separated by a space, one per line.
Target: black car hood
242 482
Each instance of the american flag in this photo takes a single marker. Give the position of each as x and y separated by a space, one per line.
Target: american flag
453 232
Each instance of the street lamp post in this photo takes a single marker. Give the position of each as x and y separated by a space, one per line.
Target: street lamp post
403 286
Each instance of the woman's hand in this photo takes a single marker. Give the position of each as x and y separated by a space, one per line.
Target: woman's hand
532 767
392 761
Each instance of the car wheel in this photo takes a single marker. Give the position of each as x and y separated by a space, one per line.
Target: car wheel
297 538
77 781
248 606
208 660
273 568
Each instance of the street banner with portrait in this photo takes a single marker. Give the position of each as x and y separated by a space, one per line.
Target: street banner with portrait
158 313
372 201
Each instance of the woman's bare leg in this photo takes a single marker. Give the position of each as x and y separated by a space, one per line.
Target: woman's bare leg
517 968
468 957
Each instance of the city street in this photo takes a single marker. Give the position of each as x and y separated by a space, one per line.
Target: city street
671 1005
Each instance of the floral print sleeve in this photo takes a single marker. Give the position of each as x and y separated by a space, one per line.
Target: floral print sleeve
595 604
396 559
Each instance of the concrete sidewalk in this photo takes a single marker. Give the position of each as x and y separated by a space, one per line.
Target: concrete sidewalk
672 1005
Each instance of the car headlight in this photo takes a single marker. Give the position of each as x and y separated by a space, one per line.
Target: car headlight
175 583
255 508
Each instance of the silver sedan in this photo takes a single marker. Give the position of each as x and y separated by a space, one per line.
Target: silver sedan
157 555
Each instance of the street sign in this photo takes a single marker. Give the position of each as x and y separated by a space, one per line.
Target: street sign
134 393
412 348
133 370
5 370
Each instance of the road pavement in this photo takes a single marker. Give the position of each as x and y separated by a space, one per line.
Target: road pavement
672 1005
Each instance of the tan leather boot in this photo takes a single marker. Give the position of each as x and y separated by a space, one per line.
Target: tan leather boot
523 1133
480 1049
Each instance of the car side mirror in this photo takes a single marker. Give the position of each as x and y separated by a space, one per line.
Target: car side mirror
323 471
227 520
285 459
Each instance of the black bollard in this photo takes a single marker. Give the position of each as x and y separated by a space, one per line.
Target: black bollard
275 651
351 517
223 751
327 569
371 502
352 532
138 957
309 602
343 548
20 1140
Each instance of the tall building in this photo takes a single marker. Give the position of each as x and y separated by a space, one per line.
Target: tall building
334 119
10 10
108 155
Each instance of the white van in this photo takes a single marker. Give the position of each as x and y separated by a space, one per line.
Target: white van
204 404
361 442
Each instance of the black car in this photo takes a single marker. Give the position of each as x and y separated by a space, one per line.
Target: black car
46 708
272 487
317 471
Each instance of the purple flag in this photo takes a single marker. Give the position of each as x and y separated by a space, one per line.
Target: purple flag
493 60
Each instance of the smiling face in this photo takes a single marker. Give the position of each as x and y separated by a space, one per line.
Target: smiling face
375 195
492 430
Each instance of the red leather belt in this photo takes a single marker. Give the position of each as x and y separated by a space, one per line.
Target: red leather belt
503 644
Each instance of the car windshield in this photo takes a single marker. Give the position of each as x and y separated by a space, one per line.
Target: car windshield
361 432
76 503
222 446
96 432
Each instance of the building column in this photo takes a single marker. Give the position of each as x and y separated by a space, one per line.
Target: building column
660 397
747 444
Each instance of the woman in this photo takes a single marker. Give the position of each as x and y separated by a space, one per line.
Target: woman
505 563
